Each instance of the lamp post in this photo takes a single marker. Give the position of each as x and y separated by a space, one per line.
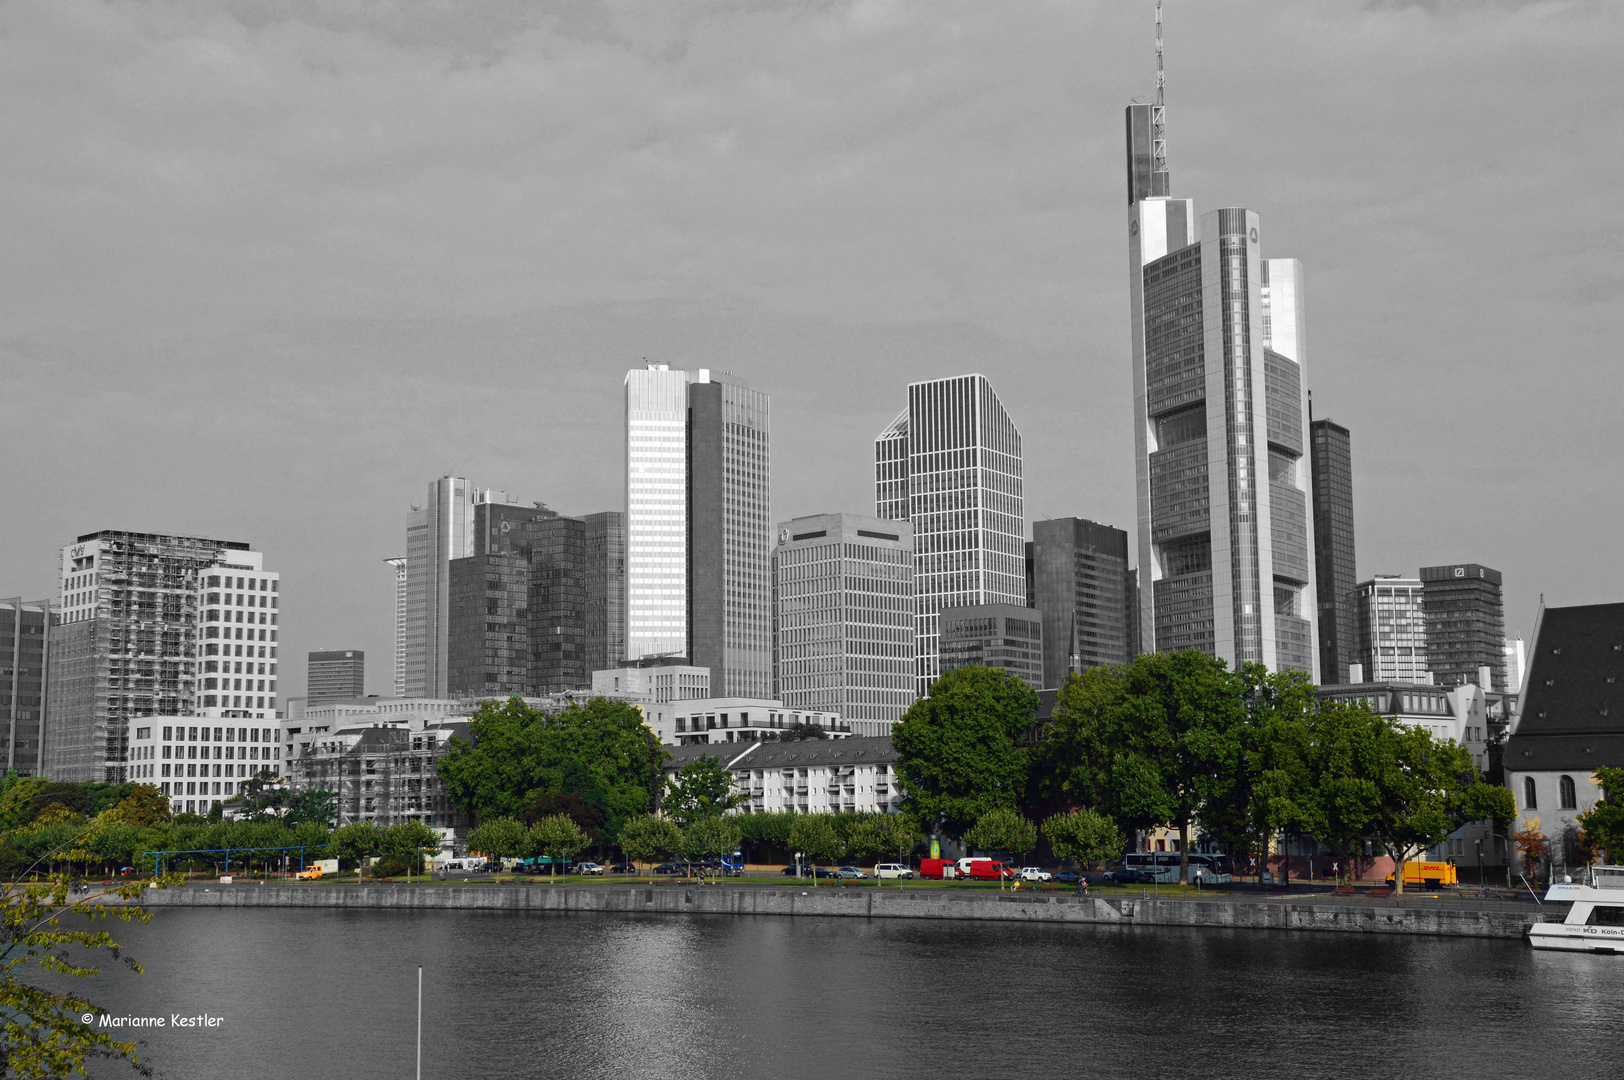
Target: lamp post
1479 843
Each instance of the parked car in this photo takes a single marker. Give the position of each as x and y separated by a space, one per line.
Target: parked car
790 871
670 868
1034 874
892 870
589 868
623 868
1065 877
851 873
1127 876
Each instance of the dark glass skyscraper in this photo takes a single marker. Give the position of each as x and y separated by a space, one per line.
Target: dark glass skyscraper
25 634
1331 456
1466 624
335 674
1081 583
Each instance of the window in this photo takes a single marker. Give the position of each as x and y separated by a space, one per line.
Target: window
1530 801
1565 793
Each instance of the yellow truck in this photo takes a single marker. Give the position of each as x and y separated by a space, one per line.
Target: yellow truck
315 870
1428 875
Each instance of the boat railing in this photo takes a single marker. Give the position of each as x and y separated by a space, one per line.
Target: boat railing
1607 877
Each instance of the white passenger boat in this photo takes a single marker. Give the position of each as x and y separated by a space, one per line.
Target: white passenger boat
1595 922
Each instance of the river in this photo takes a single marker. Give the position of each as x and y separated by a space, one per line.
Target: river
311 993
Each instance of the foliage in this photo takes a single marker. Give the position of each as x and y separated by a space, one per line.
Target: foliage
559 838
501 838
1603 824
960 751
1084 835
600 750
578 808
647 839
354 842
881 837
1530 844
801 733
815 835
388 866
144 806
1003 831
703 788
408 842
710 838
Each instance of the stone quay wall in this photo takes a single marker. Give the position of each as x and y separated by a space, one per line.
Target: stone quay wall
1386 917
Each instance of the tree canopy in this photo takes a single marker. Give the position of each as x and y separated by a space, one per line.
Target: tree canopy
703 788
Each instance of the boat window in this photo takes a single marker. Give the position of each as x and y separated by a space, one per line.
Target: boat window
1530 802
1565 788
1601 915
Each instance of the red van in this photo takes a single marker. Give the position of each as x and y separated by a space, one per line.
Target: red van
938 869
989 870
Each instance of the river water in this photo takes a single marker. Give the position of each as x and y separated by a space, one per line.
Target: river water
311 993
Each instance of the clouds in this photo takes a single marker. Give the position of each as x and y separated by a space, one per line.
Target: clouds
345 247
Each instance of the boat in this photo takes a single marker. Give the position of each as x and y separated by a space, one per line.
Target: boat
1595 922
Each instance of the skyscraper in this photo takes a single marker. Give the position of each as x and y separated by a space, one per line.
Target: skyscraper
1082 584
25 635
559 578
335 674
1466 624
844 625
1220 424
605 590
951 465
1002 636
398 564
1331 458
1392 642
148 622
699 525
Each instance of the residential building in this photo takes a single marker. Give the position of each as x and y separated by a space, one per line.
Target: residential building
25 635
1466 623
198 764
1571 721
719 720
950 464
399 566
1392 631
698 524
1331 460
1218 341
806 777
1003 636
843 627
334 675
655 680
147 624
1078 577
605 590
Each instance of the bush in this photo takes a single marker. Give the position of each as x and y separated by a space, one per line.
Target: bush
390 866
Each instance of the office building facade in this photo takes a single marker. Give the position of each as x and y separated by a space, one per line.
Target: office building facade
335 675
559 581
147 626
1392 629
698 525
605 590
1080 581
398 565
1331 463
1466 623
844 632
1002 636
1220 426
25 636
951 466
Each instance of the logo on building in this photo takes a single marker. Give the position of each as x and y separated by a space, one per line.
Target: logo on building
1460 571
1252 236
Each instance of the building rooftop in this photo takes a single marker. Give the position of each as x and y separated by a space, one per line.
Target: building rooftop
1573 701
871 750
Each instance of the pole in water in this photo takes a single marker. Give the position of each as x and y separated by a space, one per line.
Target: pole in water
420 1022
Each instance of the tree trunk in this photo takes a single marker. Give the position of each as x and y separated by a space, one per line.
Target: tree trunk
1398 874
1184 852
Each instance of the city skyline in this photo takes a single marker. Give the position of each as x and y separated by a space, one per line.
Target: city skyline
372 385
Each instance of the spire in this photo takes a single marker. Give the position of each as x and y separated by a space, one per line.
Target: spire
1158 111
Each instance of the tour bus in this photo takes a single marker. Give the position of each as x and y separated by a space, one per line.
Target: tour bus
1164 866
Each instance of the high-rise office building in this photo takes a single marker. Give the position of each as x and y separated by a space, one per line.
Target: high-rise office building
844 618
151 627
605 590
25 635
1331 459
994 635
335 675
951 465
488 629
1220 424
1466 624
699 525
1080 580
1392 631
444 528
559 577
398 564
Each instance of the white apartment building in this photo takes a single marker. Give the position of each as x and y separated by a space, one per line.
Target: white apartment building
662 683
238 606
198 764
807 777
726 720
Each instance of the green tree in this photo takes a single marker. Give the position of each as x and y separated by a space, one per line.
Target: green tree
802 733
646 839
710 838
559 838
701 789
599 749
408 842
815 835
319 807
355 842
501 839
960 750
1002 831
1084 835
145 805
1603 824
881 837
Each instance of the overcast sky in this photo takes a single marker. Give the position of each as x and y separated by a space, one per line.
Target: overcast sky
268 268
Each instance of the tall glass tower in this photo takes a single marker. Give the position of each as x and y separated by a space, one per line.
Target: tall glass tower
1220 426
951 465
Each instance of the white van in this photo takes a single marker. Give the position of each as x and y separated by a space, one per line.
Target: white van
890 871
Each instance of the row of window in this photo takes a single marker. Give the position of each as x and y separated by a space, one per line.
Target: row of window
1566 794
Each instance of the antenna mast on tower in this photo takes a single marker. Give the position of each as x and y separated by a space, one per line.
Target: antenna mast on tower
1158 111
